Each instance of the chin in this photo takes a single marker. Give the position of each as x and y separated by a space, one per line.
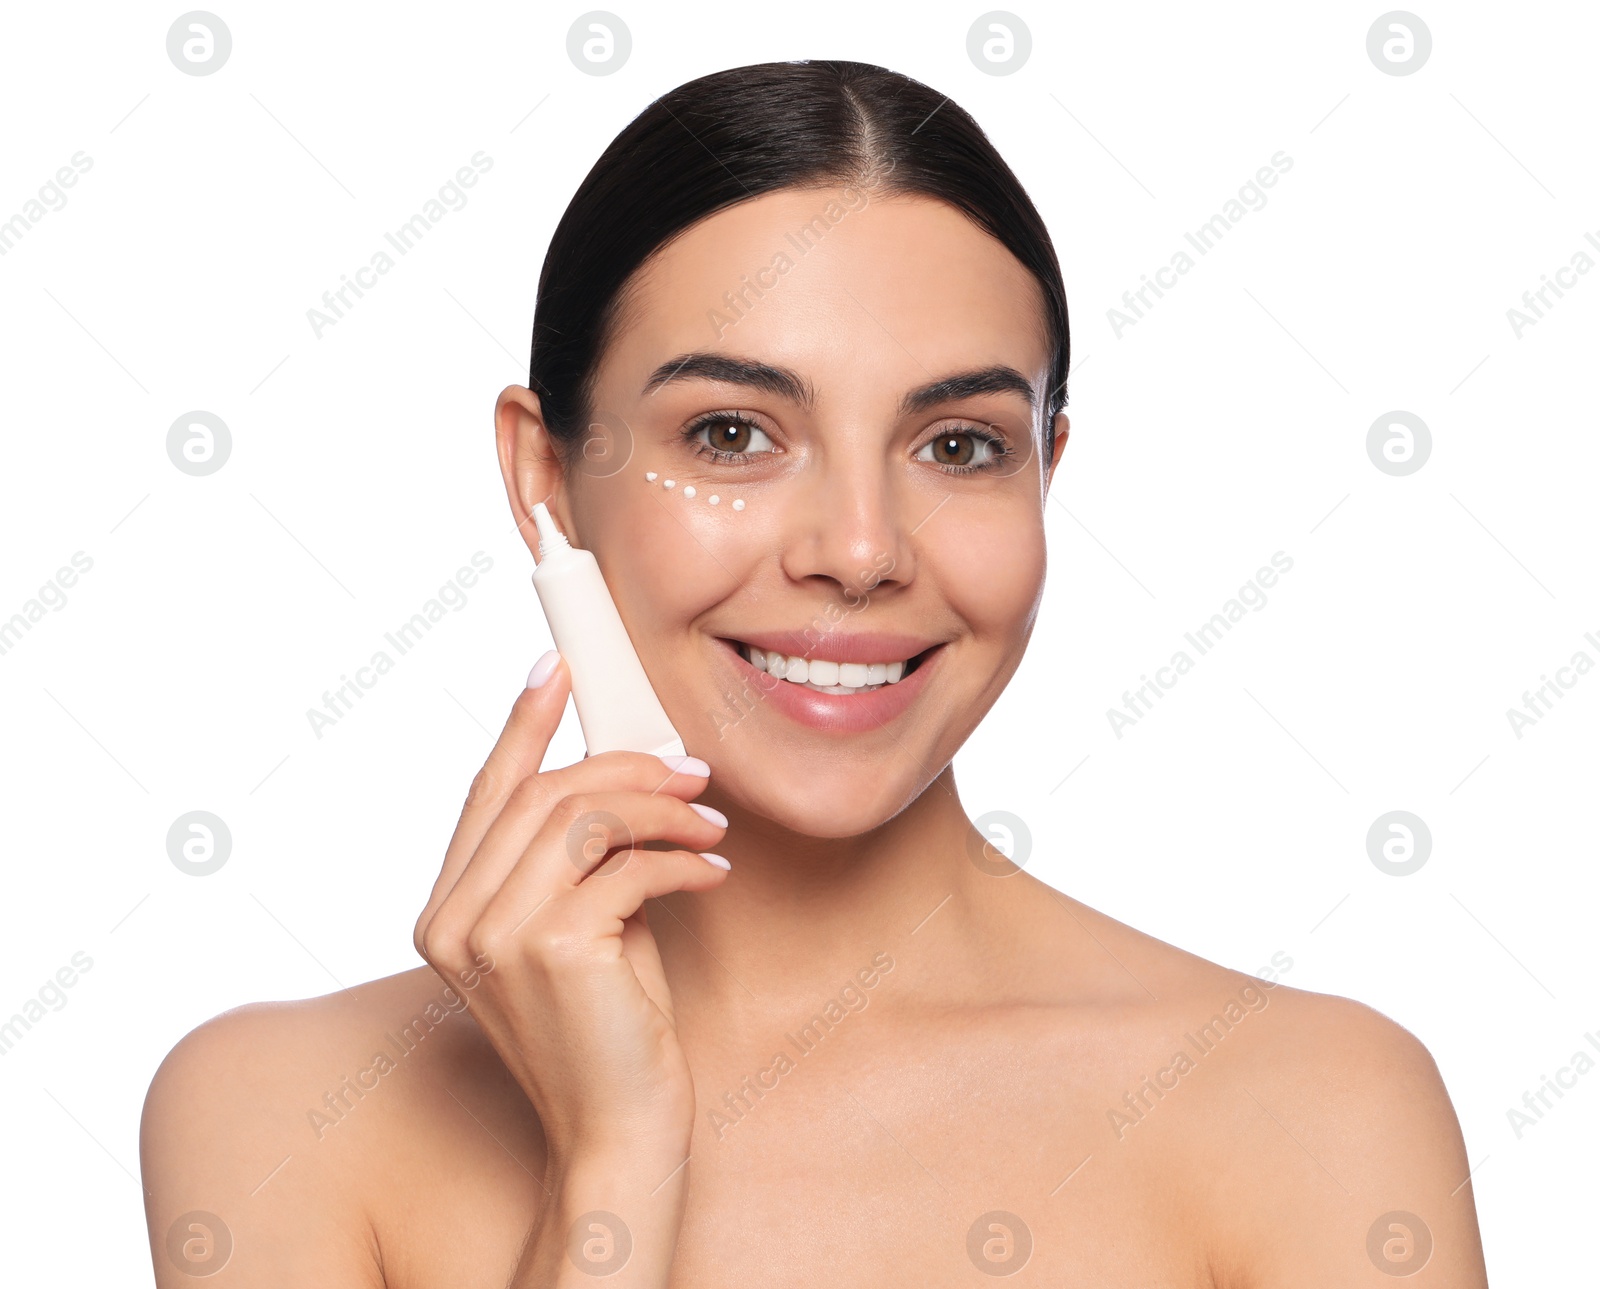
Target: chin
837 807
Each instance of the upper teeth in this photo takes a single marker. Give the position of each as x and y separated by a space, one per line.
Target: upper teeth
822 674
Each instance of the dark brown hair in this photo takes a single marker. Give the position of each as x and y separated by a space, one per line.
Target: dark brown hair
736 134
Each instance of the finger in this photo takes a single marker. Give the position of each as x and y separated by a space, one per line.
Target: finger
644 772
604 910
605 903
644 956
570 848
529 806
516 755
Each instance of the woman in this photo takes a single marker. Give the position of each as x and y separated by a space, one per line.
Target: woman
799 364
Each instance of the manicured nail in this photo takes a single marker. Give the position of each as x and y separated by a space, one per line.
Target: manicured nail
706 812
543 669
687 765
715 859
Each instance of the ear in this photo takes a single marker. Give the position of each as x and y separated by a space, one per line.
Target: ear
528 462
1063 427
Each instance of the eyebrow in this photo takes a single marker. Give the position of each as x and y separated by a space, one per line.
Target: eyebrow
786 384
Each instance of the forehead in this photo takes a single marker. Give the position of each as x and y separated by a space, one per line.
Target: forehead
845 285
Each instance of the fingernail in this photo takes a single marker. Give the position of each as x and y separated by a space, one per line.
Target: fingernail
715 859
543 669
706 812
687 765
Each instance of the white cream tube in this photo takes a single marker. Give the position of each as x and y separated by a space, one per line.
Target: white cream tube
617 708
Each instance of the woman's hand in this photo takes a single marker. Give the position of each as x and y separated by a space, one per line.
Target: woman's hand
551 947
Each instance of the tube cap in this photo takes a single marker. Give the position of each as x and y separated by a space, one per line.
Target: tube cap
550 537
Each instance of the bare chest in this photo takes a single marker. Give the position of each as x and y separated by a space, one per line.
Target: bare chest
860 1167
852 1165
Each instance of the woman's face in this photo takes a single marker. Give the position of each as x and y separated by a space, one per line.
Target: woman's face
858 511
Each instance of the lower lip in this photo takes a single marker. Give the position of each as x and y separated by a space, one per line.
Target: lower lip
838 713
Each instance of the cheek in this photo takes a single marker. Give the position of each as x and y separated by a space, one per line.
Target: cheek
681 548
990 565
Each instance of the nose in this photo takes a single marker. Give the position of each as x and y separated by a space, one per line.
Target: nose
850 522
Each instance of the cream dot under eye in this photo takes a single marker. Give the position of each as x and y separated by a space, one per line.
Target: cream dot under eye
689 491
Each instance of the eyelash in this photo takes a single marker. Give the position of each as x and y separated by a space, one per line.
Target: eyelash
999 449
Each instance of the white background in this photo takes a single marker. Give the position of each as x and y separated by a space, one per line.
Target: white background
1227 424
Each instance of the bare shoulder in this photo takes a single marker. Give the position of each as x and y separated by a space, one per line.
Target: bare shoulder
261 1127
1356 1163
1330 1149
1306 1028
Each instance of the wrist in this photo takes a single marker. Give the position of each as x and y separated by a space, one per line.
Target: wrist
615 1216
636 1155
635 1173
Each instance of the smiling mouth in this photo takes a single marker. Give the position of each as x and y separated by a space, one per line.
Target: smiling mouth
824 676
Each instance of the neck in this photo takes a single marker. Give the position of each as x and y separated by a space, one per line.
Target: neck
799 915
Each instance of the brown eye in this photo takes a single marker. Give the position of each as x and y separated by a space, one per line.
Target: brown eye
963 451
728 437
952 449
